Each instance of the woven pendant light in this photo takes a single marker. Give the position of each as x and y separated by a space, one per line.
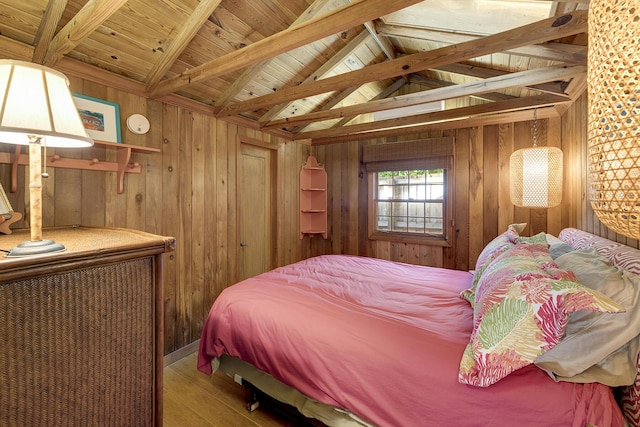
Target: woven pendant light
614 114
535 175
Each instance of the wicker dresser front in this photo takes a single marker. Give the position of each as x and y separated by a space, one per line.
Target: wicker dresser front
80 341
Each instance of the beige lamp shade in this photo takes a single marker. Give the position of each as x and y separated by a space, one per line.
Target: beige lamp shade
36 108
614 114
35 100
536 177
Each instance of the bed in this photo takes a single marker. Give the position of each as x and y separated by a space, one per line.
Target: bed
356 341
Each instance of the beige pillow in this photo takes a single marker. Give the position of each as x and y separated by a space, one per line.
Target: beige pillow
598 347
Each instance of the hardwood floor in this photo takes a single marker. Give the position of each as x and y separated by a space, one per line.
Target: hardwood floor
192 399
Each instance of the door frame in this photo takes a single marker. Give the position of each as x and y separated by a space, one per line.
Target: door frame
243 140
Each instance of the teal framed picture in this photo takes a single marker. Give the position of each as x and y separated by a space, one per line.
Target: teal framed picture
100 118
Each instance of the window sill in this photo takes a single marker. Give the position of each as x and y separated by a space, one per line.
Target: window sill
404 238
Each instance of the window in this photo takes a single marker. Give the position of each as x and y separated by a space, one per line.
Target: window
410 187
410 202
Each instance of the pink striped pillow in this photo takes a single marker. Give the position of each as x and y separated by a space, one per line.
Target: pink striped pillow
621 255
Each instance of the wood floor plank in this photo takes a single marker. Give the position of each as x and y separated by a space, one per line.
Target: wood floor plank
192 398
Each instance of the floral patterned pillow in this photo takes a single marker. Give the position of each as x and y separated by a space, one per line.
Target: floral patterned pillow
494 248
522 304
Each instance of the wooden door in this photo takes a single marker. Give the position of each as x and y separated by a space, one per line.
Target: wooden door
256 210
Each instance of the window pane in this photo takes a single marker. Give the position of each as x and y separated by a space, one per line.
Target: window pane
416 224
385 192
410 201
384 208
399 224
433 210
383 223
399 209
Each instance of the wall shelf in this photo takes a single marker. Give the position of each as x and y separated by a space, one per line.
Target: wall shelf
313 199
122 165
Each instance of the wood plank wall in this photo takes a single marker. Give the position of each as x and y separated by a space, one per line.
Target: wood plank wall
189 191
482 208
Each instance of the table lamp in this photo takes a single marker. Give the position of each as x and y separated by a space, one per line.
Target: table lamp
36 109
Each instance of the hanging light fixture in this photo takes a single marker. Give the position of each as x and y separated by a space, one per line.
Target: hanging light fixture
614 114
536 174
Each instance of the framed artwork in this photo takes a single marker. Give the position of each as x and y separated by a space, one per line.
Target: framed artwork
101 118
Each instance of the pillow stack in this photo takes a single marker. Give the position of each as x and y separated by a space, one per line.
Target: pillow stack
522 301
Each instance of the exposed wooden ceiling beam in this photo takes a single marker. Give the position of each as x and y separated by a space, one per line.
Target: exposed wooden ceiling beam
388 91
453 114
346 17
322 71
538 32
561 52
515 116
432 83
522 78
382 41
554 88
317 8
187 32
47 28
332 103
86 21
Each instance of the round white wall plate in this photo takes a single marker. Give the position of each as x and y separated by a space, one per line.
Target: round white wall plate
138 124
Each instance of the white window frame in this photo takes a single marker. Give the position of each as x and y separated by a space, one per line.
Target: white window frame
443 239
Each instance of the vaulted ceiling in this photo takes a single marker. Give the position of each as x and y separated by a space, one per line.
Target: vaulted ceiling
325 70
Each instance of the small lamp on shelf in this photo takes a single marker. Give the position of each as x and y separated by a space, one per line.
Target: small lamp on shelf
535 174
36 109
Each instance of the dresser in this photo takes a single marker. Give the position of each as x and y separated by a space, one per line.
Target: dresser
81 331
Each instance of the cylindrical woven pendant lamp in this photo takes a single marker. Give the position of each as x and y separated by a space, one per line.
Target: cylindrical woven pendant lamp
535 174
614 114
536 177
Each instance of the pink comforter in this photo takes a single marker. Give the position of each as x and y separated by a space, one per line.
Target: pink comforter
384 340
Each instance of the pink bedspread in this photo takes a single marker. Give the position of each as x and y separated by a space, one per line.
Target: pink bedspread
384 340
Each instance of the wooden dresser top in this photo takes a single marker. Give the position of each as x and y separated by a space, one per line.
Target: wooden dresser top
83 244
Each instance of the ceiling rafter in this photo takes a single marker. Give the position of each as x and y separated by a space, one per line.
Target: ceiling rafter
317 8
86 21
388 91
341 96
187 32
47 29
554 88
518 79
432 83
346 17
537 32
527 102
322 72
553 51
463 122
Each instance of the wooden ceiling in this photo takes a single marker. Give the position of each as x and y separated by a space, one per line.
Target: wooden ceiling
325 70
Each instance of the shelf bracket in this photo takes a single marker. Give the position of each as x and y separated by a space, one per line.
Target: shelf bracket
123 156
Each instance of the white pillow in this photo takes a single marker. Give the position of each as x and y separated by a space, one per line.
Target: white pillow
598 347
